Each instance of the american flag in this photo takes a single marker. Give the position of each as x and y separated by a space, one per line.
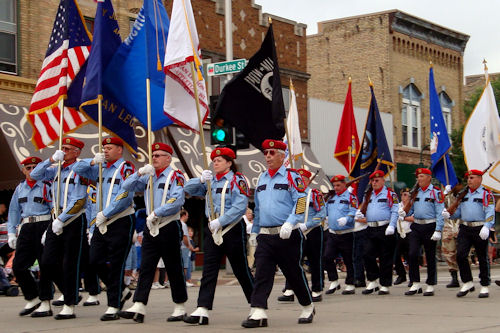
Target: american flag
69 48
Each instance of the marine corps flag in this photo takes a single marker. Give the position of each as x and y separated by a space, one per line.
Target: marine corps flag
347 146
374 145
253 101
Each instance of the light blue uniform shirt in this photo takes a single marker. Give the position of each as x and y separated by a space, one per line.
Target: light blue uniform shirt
26 202
277 201
121 199
235 201
343 205
91 208
175 194
77 187
315 217
428 205
473 209
383 207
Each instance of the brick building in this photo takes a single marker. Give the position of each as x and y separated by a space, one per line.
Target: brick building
394 49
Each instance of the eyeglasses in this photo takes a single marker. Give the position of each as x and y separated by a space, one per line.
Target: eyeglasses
67 149
31 167
271 152
158 155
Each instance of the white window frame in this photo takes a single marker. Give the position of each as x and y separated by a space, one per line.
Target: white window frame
447 118
408 105
10 28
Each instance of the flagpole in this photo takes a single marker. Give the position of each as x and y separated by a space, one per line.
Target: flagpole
99 120
202 140
150 148
290 158
61 119
350 146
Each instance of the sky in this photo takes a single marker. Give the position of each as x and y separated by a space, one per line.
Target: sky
478 19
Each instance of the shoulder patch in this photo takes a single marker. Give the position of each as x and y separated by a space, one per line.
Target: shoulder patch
241 183
121 196
171 200
301 206
128 168
395 199
354 201
299 182
179 178
439 196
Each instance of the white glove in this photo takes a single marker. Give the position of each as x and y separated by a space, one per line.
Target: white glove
12 241
447 189
147 170
436 236
90 237
286 230
58 156
389 230
359 215
252 240
484 233
44 236
99 158
151 219
342 221
302 227
214 225
57 227
445 214
100 219
205 175
350 189
401 212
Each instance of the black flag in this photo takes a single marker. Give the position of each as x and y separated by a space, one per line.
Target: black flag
253 101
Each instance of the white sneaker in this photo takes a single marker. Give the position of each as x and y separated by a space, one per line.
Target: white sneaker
157 285
189 284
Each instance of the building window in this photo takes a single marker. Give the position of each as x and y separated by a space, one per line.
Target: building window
446 107
411 117
8 36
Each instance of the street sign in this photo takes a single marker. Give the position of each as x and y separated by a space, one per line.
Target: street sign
226 67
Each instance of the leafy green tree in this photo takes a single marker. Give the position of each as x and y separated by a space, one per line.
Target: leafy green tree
457 155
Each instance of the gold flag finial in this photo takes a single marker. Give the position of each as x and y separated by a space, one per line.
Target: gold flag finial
485 70
350 80
291 84
269 19
431 64
370 81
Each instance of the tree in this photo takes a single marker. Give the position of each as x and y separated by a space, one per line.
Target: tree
457 155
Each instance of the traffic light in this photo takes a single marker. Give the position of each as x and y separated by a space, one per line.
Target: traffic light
220 133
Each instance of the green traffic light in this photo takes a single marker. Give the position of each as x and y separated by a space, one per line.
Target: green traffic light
219 134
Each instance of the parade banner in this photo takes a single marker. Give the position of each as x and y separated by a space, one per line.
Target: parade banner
61 76
116 119
183 51
294 145
440 142
141 56
347 146
374 146
253 100
481 139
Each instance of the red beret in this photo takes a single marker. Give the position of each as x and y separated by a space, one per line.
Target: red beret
31 160
423 171
273 144
305 173
162 146
74 142
114 140
474 172
337 178
222 151
378 173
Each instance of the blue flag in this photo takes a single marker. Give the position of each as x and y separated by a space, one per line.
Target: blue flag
373 146
115 118
139 57
440 142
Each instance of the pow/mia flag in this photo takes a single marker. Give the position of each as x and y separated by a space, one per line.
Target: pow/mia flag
373 146
253 101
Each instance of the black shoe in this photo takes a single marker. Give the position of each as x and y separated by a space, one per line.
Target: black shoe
317 298
309 319
64 316
254 323
200 320
57 303
497 282
360 284
413 292
429 293
125 298
41 314
25 312
383 292
483 295
463 293
176 318
369 291
137 317
91 303
348 292
331 291
454 280
410 284
284 298
400 279
109 317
